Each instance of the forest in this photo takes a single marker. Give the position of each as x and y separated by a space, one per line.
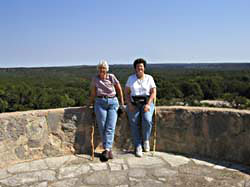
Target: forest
177 84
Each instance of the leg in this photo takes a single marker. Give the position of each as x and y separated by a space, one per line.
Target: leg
101 115
134 125
147 122
111 122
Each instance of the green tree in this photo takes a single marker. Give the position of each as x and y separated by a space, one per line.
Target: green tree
168 91
191 91
211 87
3 105
240 102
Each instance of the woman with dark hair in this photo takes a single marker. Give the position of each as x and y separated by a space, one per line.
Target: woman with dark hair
140 91
104 87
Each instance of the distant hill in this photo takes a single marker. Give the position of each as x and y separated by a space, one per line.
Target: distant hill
122 71
209 66
84 68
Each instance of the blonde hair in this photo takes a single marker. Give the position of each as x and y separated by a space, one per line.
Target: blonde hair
103 63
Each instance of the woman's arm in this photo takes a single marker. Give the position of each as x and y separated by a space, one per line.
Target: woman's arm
119 91
152 95
151 99
128 99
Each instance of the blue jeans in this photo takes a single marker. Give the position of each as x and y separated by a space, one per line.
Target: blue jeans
146 123
106 117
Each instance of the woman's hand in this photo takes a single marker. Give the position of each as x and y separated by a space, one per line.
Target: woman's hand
147 108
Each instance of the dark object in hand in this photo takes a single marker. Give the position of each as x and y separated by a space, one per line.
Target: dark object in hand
140 100
121 110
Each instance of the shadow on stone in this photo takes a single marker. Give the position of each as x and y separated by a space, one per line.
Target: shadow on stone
218 163
81 136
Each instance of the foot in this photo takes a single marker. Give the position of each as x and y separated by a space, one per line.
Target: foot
110 154
138 151
105 155
146 146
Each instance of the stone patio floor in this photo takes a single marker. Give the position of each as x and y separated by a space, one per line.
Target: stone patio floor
125 170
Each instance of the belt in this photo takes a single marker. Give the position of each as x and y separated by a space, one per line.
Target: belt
105 96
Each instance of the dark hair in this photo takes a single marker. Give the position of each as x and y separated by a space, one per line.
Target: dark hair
140 61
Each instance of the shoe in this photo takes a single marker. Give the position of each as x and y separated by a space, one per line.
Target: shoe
110 154
138 151
146 146
105 155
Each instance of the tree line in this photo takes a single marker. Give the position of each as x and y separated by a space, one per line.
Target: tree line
42 88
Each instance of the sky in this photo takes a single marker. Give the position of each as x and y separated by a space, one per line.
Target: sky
37 33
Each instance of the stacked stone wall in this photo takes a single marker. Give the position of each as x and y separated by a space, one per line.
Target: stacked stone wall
222 134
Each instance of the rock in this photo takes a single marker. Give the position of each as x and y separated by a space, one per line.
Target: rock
65 183
37 132
201 162
28 166
2 133
22 152
69 127
72 171
15 130
115 166
54 121
144 162
24 178
42 184
4 174
175 160
56 162
137 173
103 178
164 172
99 166
50 150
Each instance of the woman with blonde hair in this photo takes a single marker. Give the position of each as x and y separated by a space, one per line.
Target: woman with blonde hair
104 87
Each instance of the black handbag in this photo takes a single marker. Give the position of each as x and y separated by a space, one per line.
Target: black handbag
140 99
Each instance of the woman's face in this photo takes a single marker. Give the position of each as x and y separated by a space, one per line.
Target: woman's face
139 68
102 70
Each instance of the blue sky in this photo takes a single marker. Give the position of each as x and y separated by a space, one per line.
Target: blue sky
77 32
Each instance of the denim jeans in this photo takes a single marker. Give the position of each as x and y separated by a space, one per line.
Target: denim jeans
106 117
146 123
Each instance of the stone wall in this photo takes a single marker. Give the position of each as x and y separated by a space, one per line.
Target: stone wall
222 134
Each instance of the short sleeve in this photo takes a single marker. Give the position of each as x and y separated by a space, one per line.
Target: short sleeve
128 83
152 82
114 79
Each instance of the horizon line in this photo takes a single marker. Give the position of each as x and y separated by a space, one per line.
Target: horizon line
152 62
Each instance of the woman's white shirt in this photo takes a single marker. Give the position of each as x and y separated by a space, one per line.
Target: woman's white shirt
140 87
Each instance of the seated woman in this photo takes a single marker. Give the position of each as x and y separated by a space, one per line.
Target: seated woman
104 87
140 91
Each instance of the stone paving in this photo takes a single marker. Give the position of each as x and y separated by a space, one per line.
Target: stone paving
158 169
